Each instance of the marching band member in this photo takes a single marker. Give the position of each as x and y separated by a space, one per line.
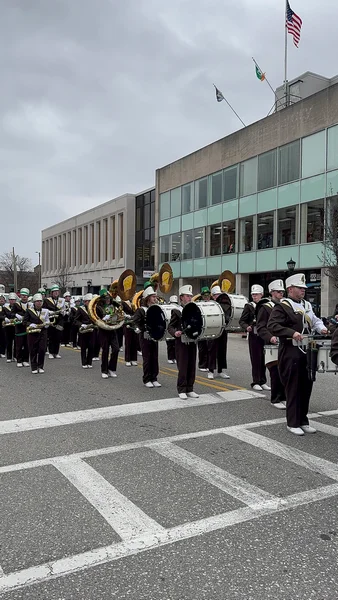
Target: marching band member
86 332
65 338
130 338
55 305
203 344
171 355
74 332
185 353
276 289
8 326
108 339
18 311
256 344
2 328
36 319
217 348
149 347
290 321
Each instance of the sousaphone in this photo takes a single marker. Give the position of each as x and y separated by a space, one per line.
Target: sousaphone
162 281
124 287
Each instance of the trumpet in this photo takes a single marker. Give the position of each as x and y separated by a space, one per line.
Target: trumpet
39 327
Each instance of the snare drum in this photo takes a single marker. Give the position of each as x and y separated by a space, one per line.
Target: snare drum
271 354
232 305
157 321
324 362
202 321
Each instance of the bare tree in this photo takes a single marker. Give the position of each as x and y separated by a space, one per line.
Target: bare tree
63 278
25 274
330 252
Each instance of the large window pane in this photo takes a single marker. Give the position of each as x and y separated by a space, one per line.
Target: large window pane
313 154
248 177
216 187
265 230
164 248
215 240
187 244
146 216
332 148
230 183
229 237
267 170
287 226
199 236
187 198
246 233
201 190
289 162
315 221
176 246
175 202
164 206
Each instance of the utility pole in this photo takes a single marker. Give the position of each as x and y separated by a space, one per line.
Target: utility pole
15 272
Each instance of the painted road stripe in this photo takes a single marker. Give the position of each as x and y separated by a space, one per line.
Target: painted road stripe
108 554
123 516
134 445
329 429
114 412
298 457
232 485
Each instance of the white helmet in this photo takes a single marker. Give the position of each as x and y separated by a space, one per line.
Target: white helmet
149 291
87 297
37 297
66 294
216 290
257 289
298 280
173 300
276 286
12 296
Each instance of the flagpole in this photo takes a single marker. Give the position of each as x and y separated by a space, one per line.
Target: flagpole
286 56
228 103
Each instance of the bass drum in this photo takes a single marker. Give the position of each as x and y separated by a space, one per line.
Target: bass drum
202 321
232 305
157 321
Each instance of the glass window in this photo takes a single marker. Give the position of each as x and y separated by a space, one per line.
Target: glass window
164 248
139 225
175 202
246 229
248 177
176 247
287 226
216 187
267 170
313 154
332 148
199 237
201 191
146 216
215 232
152 214
289 162
187 198
165 206
265 230
187 244
230 183
315 221
229 237
147 198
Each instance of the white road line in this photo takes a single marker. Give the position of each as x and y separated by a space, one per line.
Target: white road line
114 412
107 554
134 445
298 457
123 516
329 429
232 485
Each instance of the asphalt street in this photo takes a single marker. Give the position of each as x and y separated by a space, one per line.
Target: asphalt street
110 490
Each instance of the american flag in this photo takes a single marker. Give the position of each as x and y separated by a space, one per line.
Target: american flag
293 24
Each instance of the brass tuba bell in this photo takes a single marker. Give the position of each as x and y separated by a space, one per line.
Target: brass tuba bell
124 287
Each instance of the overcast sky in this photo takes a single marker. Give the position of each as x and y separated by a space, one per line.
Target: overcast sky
97 94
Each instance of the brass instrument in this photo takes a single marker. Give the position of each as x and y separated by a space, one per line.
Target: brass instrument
53 317
162 280
226 282
37 329
125 289
88 329
12 323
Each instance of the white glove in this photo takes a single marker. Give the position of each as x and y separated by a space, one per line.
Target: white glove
19 317
106 318
84 326
47 324
33 325
7 320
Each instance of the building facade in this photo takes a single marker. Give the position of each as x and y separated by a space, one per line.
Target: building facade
144 235
88 251
251 201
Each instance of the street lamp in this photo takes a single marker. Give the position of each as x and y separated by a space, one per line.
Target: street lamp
291 265
39 253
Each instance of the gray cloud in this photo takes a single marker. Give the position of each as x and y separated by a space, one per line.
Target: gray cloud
96 94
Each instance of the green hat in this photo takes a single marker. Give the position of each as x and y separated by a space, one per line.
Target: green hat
55 288
41 291
103 292
147 284
205 290
24 292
